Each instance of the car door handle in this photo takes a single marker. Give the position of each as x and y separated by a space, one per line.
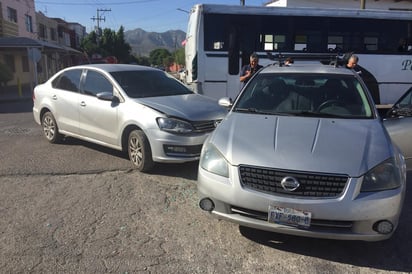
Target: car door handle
54 97
82 103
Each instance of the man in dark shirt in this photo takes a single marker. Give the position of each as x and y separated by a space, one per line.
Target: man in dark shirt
250 69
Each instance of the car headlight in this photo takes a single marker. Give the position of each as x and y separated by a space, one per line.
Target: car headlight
382 177
174 125
213 161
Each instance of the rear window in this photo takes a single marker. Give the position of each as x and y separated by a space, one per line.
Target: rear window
68 80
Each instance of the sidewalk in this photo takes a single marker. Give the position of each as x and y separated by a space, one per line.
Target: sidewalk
13 93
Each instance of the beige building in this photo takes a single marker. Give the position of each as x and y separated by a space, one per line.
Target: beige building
33 46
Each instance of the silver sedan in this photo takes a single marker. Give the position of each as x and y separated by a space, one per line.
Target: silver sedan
304 152
137 109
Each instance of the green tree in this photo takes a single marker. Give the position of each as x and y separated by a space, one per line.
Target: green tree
110 43
180 56
141 60
160 57
88 44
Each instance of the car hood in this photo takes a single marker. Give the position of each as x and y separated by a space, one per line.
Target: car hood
339 146
193 107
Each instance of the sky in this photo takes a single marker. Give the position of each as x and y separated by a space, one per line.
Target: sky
149 15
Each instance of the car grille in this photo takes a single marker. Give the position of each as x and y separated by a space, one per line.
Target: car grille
315 224
205 126
310 184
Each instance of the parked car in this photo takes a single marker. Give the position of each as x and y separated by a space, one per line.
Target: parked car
137 109
398 122
304 152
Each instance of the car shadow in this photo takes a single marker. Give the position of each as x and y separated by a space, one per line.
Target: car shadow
390 255
16 106
70 141
186 170
183 170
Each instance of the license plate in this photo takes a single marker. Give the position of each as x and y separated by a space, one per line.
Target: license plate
289 216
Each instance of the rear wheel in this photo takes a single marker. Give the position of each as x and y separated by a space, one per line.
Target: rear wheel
50 129
139 151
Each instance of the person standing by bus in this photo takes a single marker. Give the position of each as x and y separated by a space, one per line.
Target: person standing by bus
250 69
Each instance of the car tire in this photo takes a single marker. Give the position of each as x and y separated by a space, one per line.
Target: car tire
50 128
139 151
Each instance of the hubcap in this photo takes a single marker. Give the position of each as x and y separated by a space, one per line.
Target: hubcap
135 148
49 128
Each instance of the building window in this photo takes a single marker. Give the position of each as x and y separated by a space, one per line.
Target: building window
29 23
12 14
25 63
53 34
42 31
9 60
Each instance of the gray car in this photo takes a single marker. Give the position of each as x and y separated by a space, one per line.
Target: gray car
304 152
137 109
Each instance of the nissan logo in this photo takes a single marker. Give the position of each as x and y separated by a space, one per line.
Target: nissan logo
289 183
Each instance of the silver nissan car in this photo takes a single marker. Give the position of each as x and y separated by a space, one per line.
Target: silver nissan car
137 109
304 152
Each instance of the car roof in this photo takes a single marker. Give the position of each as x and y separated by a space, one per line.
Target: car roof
307 67
115 67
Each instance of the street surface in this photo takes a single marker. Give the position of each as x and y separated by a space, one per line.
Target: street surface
79 208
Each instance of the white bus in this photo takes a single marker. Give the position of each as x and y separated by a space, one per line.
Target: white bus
220 39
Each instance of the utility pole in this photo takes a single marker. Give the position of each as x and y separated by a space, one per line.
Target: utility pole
99 18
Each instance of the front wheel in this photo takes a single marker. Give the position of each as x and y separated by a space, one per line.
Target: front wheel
50 129
139 151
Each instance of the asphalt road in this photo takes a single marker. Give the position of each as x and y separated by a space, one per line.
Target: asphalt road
79 208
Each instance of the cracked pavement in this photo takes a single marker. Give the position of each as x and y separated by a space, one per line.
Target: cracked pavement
79 208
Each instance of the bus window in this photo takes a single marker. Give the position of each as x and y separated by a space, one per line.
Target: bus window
280 42
335 43
273 42
300 43
268 43
214 33
370 43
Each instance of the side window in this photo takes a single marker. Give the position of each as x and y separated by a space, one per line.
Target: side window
96 83
68 80
406 101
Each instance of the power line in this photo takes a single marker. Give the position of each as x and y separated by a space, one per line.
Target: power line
87 4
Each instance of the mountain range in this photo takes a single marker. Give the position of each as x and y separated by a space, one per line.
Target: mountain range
142 42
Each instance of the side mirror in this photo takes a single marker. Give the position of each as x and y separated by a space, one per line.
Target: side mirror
225 102
107 96
397 112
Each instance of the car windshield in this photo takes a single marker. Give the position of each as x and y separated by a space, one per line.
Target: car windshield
149 83
322 95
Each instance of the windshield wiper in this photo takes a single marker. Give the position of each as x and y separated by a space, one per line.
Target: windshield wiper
319 114
259 111
253 110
